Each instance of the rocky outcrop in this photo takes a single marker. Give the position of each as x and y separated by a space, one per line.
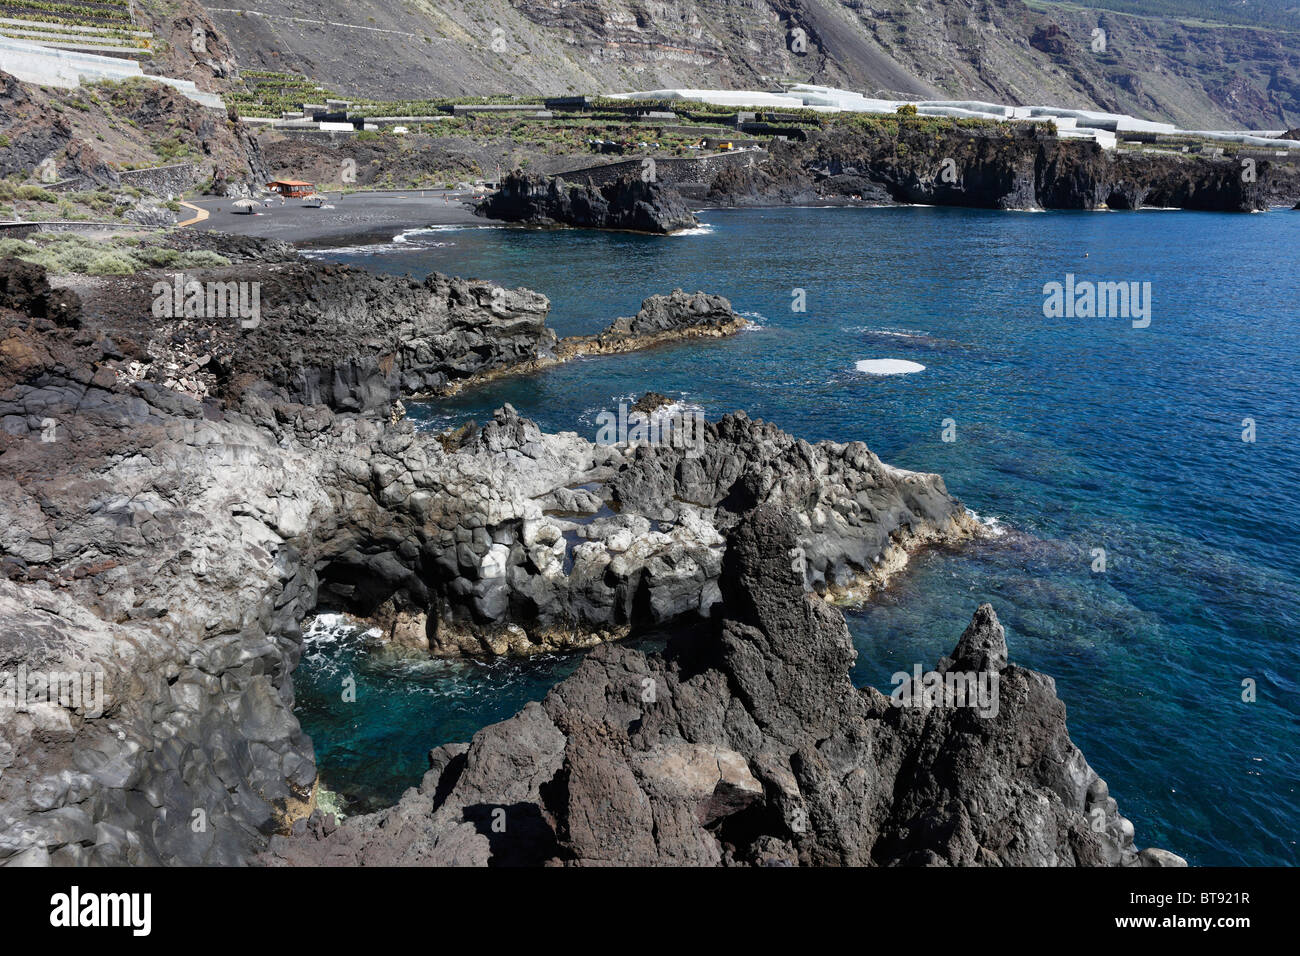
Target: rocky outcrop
355 341
533 543
333 335
86 136
24 288
629 204
747 744
148 547
660 320
228 245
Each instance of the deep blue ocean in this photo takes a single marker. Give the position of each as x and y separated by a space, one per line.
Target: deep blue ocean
1071 435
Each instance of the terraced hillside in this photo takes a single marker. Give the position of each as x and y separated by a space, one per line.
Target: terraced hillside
105 27
1190 73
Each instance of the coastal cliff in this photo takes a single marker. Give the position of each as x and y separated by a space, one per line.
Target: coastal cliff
1003 166
929 161
169 525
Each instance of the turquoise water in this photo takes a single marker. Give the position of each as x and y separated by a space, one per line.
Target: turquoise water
1074 434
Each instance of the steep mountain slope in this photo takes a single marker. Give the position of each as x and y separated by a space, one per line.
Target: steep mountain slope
1191 73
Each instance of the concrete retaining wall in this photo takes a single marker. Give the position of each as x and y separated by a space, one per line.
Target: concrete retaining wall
47 66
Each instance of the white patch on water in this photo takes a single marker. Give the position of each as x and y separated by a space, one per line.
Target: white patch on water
405 237
890 333
991 523
756 320
703 229
371 249
590 417
889 367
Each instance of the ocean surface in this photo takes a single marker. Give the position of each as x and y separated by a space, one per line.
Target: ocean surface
1070 435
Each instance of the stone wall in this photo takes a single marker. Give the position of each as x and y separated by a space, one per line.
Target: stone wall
165 181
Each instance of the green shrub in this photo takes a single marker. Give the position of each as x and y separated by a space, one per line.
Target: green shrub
15 247
203 259
72 258
111 264
36 194
158 258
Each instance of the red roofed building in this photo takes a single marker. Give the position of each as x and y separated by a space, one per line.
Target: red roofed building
292 187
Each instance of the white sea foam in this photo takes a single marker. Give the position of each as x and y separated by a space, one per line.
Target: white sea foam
332 628
407 235
703 229
889 366
991 523
678 406
368 249
889 333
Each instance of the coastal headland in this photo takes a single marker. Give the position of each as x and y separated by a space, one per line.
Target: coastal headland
184 491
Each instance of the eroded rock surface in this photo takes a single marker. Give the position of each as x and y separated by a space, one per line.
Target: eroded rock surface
746 743
627 204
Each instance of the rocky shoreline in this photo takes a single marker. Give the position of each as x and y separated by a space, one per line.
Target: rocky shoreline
1008 166
179 494
1002 166
744 743
355 341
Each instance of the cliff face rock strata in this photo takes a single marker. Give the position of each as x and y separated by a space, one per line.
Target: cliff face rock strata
1198 75
749 745
994 167
149 538
92 133
628 204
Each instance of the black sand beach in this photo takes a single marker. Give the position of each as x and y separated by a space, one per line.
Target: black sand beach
355 216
